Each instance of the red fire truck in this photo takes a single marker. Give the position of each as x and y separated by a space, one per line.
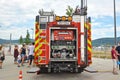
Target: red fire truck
62 43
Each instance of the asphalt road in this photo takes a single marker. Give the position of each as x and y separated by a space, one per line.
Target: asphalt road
10 71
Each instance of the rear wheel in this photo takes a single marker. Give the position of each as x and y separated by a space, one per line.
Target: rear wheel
43 70
80 70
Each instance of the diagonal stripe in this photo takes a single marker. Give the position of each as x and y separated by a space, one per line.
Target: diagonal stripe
45 42
86 25
89 46
89 42
38 47
40 31
36 51
37 34
40 52
89 49
42 40
38 40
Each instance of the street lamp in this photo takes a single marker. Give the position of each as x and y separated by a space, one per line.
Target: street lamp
115 35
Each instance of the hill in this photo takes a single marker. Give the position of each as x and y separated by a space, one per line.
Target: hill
4 41
96 42
104 41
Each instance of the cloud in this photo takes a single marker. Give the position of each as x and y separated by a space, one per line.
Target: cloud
16 32
103 32
102 7
16 16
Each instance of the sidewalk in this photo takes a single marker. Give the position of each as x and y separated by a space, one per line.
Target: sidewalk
10 71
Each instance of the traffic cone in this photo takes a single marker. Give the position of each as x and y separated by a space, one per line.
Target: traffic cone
20 75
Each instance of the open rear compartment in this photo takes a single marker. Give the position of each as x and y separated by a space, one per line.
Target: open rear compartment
63 50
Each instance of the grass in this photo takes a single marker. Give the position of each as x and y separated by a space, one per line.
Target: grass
102 54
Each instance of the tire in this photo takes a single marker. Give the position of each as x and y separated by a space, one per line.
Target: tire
80 70
43 70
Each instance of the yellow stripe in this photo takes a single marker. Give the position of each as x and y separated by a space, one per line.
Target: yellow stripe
38 40
89 42
38 47
89 25
89 49
40 31
37 34
86 26
39 53
45 41
40 59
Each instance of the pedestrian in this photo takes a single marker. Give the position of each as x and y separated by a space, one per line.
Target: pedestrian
2 56
114 58
19 59
118 52
31 53
16 53
23 53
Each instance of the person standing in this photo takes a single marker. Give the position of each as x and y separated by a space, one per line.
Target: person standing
19 58
2 56
31 53
114 58
118 52
23 54
16 53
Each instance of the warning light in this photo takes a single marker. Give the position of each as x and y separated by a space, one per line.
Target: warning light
69 18
63 18
57 18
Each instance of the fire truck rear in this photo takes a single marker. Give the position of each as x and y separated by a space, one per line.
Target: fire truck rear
62 43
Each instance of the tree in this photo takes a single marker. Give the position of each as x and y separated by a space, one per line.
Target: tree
27 39
21 40
69 11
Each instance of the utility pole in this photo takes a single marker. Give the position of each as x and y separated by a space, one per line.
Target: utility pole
10 43
115 34
32 32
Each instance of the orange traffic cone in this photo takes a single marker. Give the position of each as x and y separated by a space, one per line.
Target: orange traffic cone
20 75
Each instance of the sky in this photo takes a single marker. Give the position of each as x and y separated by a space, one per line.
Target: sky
18 16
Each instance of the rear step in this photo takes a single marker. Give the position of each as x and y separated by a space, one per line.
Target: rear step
33 70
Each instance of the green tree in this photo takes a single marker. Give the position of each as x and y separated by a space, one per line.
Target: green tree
27 39
21 40
69 11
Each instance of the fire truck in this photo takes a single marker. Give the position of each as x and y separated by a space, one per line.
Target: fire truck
62 43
